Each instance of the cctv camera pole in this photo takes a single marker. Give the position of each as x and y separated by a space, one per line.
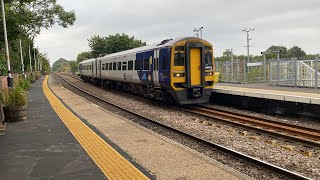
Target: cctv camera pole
264 66
9 78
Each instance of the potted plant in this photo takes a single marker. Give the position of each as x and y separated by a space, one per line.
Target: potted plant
32 78
15 103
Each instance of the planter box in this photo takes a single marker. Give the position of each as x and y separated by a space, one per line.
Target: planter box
13 114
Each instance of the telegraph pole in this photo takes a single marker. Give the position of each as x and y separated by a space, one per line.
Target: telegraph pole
9 78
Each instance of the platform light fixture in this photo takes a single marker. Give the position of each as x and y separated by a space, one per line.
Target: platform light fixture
9 78
197 30
247 30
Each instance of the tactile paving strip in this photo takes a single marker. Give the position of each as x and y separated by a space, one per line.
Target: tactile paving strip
111 163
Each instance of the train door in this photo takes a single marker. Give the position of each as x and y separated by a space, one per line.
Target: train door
155 73
195 66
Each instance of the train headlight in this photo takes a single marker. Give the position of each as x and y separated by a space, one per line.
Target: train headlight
178 74
209 73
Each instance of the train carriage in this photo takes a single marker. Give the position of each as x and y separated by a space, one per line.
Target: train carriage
179 70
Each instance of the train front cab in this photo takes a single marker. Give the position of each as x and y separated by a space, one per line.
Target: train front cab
192 74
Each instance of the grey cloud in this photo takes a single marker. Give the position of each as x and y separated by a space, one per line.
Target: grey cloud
286 22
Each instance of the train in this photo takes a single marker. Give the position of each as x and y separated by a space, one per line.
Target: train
176 70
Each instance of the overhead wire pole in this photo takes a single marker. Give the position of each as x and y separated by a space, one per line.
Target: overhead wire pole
21 56
9 78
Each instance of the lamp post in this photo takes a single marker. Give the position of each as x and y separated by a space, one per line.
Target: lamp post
9 79
21 56
247 30
197 30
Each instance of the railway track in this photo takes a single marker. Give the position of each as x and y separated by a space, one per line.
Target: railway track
287 131
295 133
235 154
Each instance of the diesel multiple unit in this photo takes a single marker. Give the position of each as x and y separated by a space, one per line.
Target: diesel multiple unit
176 70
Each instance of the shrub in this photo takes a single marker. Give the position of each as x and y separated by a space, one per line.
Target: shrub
13 97
24 83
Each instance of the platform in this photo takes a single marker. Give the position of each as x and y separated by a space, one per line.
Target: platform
265 91
53 143
164 158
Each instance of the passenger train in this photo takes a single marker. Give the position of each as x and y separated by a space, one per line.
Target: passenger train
176 70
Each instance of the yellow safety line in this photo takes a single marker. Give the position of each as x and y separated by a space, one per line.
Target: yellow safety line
110 162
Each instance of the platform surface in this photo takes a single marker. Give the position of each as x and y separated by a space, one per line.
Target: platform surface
263 90
163 157
42 147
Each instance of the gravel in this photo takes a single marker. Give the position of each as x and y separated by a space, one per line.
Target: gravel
218 132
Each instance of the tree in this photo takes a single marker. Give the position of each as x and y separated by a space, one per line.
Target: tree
296 51
83 56
113 43
25 19
272 48
74 66
61 65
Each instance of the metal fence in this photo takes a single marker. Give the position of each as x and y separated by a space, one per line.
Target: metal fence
281 72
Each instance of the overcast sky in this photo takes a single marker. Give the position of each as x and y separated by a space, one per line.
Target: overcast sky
276 22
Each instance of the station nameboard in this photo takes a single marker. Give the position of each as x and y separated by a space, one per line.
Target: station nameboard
255 64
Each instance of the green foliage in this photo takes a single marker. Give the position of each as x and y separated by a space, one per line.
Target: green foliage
61 65
74 66
83 56
283 52
296 51
28 17
24 83
13 97
113 43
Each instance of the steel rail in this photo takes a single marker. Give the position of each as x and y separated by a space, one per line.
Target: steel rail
295 133
236 154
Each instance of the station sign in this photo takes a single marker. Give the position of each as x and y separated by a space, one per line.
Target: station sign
255 64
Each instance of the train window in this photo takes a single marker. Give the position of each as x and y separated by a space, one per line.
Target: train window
130 65
124 66
208 59
110 66
146 64
114 66
106 65
207 48
119 66
164 62
179 59
102 66
179 48
137 65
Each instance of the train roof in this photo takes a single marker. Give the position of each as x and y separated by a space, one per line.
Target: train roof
164 43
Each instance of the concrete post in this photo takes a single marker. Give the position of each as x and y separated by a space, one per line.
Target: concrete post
296 71
238 70
227 72
245 71
316 70
264 68
278 68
